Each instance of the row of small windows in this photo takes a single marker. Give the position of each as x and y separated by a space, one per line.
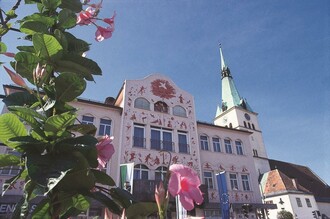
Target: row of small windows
159 106
104 127
235 183
216 141
308 202
249 125
160 139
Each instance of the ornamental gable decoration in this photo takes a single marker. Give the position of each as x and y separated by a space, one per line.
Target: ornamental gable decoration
162 88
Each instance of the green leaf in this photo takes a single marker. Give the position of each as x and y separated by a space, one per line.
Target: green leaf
122 196
85 129
141 210
80 177
56 125
32 27
42 210
47 46
84 144
48 170
73 5
105 200
3 47
20 99
28 144
11 14
51 4
76 45
30 116
69 86
103 178
79 65
10 127
9 160
61 38
25 64
66 19
46 20
26 49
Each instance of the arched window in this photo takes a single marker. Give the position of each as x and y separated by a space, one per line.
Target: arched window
239 147
204 142
245 124
161 106
249 125
141 171
228 148
230 125
253 127
216 144
142 103
179 111
160 173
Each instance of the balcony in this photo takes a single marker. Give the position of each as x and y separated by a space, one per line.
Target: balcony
144 190
161 145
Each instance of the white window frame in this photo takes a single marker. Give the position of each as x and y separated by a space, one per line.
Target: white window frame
161 171
163 143
245 182
182 143
308 202
137 126
204 142
86 119
179 111
216 141
233 181
299 202
228 146
140 169
208 180
104 128
239 147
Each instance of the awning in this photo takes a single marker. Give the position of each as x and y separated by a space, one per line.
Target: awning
254 205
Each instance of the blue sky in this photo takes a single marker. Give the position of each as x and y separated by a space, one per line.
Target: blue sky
278 53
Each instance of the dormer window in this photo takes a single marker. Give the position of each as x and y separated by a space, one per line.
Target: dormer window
161 106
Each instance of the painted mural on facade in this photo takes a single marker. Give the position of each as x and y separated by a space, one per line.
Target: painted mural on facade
158 91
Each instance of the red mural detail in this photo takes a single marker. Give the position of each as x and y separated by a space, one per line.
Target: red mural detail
142 90
162 88
213 196
132 156
232 168
156 161
133 117
190 164
175 159
183 125
221 167
181 98
207 166
148 157
244 170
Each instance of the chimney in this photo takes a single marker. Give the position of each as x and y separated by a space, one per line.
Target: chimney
109 101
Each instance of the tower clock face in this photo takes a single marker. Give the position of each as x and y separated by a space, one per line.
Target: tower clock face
247 116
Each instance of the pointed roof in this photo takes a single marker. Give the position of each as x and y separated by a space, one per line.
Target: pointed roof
275 182
230 94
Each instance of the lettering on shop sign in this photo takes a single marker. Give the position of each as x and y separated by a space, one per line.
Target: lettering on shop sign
6 208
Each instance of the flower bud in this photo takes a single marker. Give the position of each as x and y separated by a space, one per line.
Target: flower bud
16 78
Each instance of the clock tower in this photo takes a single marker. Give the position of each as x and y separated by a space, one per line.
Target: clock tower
236 113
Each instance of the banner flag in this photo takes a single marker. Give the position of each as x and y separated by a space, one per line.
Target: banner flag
223 194
126 176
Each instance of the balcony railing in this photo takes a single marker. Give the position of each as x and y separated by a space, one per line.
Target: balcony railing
144 190
161 145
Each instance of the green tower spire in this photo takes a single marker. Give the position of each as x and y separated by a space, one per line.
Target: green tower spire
230 94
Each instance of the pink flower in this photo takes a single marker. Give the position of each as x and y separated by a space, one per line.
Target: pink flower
161 197
105 150
103 33
110 21
86 17
185 182
16 78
